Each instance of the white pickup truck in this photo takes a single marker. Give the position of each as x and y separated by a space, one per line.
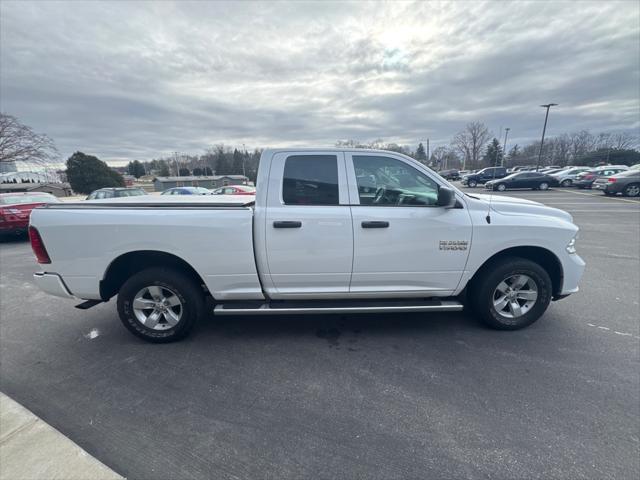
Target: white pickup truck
329 231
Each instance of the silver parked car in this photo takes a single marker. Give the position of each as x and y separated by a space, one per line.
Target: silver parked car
568 175
627 183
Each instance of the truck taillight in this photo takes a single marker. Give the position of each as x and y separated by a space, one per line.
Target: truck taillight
37 245
612 180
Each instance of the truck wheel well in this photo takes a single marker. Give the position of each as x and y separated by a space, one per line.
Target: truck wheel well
131 263
543 257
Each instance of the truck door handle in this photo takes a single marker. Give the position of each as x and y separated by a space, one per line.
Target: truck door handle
287 224
375 224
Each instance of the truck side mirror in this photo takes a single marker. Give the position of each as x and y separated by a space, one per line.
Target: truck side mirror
446 197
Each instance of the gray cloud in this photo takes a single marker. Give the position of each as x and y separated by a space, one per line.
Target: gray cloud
142 79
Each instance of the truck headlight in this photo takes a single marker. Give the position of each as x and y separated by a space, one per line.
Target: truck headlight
571 246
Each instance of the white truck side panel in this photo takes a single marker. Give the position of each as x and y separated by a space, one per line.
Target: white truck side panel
217 243
506 230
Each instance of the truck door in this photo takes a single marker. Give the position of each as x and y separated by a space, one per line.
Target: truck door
404 244
307 230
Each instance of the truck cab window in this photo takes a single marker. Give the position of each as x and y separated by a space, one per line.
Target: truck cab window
385 181
310 180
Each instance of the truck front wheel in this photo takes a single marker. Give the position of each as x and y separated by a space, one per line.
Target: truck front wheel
160 304
511 294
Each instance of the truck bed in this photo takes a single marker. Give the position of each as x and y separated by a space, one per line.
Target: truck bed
213 234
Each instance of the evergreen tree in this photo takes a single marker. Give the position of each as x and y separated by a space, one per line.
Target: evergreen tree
136 168
421 155
493 153
87 173
163 169
236 166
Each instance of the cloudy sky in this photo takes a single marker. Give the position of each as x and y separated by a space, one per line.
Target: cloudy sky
127 80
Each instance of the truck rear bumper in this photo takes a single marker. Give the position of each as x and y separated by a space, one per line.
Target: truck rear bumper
52 284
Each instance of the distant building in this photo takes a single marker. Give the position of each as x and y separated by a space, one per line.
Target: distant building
32 172
57 189
161 184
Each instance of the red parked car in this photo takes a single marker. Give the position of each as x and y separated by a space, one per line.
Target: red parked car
235 190
15 209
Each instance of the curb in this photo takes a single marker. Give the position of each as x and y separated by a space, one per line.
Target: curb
30 449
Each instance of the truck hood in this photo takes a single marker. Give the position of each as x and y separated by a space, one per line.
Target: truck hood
520 206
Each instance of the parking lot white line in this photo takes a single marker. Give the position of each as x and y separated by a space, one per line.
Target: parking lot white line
604 197
635 212
603 204
622 334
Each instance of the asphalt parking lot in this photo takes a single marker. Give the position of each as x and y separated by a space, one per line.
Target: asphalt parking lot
402 396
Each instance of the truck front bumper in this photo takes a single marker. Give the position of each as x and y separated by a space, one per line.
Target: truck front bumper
573 268
52 284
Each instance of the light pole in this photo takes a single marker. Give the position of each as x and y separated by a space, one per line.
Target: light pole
175 159
544 129
504 145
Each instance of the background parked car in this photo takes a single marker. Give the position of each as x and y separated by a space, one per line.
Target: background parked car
627 183
549 168
586 179
115 193
567 176
450 174
187 191
15 210
235 190
483 176
532 180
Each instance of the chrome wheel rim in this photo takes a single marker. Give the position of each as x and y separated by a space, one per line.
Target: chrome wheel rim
501 188
633 190
157 308
544 186
515 296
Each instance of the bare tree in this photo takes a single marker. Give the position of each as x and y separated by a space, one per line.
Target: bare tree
471 141
19 142
582 142
623 140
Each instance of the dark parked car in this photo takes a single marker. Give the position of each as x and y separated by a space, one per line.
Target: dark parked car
627 183
450 174
187 191
586 179
483 176
115 193
532 180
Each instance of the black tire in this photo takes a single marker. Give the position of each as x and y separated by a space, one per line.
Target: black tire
632 190
188 291
484 284
566 183
608 194
472 184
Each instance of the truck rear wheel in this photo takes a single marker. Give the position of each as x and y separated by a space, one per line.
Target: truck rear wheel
511 294
160 304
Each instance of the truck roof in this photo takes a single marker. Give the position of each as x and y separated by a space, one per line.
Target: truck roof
329 149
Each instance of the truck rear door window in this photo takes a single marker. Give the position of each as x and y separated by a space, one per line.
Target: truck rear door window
310 180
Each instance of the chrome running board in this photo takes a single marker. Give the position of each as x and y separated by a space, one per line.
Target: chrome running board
320 307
